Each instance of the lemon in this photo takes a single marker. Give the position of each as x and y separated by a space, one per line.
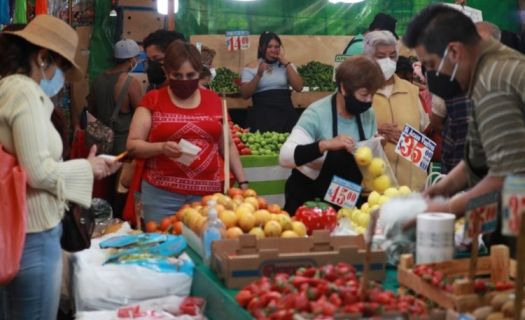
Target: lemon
383 200
404 191
373 198
391 192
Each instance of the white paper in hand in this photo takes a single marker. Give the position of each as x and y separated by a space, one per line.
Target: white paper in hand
189 152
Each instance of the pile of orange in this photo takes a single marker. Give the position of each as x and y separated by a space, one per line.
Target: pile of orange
170 225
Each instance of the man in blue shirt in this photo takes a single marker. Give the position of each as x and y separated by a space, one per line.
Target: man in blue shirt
382 21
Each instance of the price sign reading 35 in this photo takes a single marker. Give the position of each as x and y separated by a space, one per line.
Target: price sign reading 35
482 215
415 147
343 193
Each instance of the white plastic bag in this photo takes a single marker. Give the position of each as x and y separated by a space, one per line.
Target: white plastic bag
378 153
107 287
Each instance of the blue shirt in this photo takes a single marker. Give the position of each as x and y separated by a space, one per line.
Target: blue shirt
316 120
274 78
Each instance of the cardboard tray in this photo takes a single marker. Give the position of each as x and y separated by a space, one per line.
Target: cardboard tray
498 265
241 261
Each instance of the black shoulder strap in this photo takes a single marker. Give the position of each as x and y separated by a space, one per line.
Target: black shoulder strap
334 116
334 121
354 40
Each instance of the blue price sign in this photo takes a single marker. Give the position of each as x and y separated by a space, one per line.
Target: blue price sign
343 193
415 147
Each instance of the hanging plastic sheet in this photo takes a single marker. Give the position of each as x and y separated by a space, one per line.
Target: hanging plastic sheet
101 45
5 17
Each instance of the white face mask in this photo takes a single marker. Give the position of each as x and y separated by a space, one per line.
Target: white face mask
388 66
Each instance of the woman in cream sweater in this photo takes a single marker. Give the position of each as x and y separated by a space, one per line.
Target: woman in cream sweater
34 64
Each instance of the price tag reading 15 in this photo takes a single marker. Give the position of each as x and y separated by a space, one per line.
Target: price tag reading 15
343 193
513 204
415 147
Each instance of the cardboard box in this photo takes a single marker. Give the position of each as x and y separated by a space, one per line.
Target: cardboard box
139 23
239 262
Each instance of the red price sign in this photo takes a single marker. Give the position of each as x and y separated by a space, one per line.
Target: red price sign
513 204
415 147
482 214
342 193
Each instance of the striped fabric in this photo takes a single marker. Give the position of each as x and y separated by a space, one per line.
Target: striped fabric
496 133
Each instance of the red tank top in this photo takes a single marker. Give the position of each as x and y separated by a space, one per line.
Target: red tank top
201 126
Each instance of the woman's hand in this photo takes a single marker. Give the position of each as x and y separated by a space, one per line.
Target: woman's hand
263 67
282 58
390 131
338 143
171 149
102 167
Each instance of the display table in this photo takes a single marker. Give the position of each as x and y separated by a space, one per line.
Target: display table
266 177
220 301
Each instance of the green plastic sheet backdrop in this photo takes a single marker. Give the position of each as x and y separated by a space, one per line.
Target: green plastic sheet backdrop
301 17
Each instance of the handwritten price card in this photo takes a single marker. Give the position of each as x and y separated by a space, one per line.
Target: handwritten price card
482 215
343 193
513 204
415 147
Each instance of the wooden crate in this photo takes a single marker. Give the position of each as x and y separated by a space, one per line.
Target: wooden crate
244 260
498 266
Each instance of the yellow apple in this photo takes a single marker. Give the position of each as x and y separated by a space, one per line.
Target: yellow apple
363 156
253 201
247 221
376 167
383 200
373 198
272 229
299 228
365 207
258 233
391 192
381 183
404 191
289 234
261 217
229 218
285 221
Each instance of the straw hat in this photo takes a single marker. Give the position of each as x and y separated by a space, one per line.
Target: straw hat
54 34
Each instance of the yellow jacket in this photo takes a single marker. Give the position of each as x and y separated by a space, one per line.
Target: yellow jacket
401 107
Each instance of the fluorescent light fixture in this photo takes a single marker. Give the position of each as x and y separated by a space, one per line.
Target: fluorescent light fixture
113 13
244 0
345 1
162 6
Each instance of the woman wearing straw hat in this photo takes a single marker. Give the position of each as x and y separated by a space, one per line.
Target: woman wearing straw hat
34 64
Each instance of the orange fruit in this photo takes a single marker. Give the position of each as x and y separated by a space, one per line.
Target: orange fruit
249 193
274 208
247 221
173 218
234 233
151 226
176 228
165 224
232 192
262 203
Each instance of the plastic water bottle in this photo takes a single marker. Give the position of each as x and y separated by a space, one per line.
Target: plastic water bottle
212 231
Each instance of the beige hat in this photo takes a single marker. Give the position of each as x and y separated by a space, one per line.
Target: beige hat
54 34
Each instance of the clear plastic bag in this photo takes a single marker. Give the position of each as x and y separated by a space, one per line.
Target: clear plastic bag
377 172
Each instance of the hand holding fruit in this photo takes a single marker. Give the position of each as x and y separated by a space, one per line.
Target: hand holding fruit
171 149
338 143
390 131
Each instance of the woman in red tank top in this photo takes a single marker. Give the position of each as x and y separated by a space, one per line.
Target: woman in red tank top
170 117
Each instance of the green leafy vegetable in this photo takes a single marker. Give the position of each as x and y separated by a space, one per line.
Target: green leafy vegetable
318 76
225 81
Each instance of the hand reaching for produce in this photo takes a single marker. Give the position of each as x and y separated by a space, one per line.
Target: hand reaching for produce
171 149
390 131
338 143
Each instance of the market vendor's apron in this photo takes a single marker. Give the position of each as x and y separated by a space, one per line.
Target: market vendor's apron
272 111
299 188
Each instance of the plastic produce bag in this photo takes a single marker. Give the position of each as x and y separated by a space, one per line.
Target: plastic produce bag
376 170
98 285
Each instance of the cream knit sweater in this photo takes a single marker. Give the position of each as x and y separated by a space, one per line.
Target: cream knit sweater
26 131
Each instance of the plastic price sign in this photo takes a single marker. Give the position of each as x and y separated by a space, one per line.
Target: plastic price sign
339 58
415 147
482 215
237 40
513 203
343 193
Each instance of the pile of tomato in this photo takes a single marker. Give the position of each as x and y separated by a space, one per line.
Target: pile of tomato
322 293
171 225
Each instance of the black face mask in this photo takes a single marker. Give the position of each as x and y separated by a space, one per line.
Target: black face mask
441 86
354 106
156 76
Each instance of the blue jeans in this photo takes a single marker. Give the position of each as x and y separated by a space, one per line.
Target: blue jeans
158 203
34 293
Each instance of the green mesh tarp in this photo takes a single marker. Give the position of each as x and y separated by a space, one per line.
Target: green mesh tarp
299 17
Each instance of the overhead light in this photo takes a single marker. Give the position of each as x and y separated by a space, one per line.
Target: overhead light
345 1
113 13
162 6
244 0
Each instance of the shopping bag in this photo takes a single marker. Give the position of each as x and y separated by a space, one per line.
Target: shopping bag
13 210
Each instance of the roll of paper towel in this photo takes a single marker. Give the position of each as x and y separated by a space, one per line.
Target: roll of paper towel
435 237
